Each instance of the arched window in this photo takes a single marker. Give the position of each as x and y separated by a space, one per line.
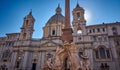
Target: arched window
53 32
27 22
114 30
102 52
79 30
24 35
78 15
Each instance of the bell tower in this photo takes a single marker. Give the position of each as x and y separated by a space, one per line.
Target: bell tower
27 27
79 22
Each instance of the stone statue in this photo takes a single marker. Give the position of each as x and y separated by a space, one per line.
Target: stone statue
74 57
49 62
59 58
70 52
86 63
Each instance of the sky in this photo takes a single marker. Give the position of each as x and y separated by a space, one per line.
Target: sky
12 13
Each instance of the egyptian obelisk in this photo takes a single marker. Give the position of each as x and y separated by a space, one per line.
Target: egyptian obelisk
67 31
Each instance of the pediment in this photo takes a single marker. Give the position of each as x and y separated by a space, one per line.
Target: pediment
50 44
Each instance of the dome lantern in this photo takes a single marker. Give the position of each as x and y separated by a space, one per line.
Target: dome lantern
58 9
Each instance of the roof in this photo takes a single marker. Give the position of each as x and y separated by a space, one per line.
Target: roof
58 17
114 23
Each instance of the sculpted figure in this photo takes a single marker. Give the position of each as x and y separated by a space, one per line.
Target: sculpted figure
59 58
69 51
49 63
74 57
85 62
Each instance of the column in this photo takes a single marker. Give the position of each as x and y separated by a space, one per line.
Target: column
13 61
26 61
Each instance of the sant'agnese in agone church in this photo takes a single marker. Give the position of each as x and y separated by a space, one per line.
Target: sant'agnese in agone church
64 46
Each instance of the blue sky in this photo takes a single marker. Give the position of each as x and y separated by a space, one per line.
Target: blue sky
12 13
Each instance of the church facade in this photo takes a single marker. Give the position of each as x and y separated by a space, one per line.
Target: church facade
101 43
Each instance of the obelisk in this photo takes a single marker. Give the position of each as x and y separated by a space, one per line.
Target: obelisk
67 31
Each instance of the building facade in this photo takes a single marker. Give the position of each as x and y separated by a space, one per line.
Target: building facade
101 43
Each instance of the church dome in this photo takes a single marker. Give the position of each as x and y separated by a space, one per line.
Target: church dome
58 17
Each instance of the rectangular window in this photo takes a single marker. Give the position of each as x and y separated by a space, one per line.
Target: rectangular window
90 31
93 30
98 29
114 31
119 53
105 38
96 54
27 22
108 53
103 29
53 32
94 38
117 43
99 38
10 44
78 15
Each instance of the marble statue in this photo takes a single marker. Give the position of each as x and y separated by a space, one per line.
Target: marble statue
59 58
74 57
70 52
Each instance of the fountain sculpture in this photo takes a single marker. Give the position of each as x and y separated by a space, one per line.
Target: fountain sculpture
66 57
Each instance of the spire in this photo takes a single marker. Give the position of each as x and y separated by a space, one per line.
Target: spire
58 9
78 7
77 4
30 15
58 5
